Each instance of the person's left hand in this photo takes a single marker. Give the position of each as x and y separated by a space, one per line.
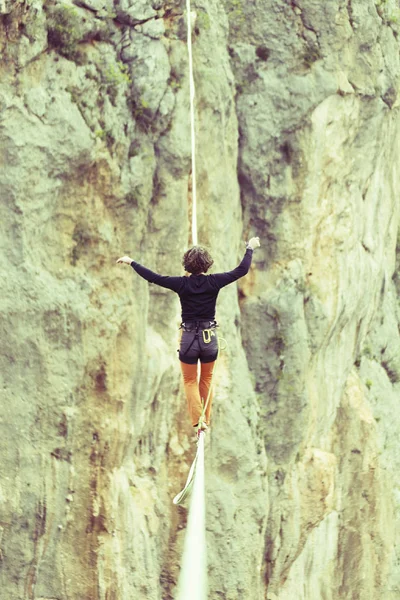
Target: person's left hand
125 260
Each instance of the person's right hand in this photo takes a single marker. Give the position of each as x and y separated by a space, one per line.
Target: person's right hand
125 259
254 242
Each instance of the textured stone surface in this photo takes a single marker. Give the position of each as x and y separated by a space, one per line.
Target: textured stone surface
298 139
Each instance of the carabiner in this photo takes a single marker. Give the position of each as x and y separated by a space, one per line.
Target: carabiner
207 335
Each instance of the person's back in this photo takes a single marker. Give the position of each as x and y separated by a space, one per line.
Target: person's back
198 294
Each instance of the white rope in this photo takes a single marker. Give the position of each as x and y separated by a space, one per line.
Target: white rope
192 583
192 124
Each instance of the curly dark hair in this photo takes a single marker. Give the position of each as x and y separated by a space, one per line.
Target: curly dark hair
197 260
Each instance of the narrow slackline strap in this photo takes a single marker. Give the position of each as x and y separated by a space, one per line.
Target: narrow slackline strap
205 404
192 124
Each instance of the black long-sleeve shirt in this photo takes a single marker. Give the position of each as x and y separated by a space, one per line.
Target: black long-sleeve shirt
197 293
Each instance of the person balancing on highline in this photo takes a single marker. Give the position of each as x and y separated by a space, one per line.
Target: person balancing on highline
198 296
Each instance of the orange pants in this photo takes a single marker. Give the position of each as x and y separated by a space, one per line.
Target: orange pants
197 391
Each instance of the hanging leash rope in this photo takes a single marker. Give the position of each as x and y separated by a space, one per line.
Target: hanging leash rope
205 404
192 124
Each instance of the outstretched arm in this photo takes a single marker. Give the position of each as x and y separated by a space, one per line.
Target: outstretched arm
223 279
171 283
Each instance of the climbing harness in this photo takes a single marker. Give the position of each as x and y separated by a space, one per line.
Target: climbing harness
189 325
199 326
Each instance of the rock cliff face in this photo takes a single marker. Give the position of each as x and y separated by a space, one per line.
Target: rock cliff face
299 142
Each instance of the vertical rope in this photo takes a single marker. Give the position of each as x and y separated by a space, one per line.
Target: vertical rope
192 124
192 583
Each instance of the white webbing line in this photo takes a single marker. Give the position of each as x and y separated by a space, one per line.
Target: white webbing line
192 123
192 583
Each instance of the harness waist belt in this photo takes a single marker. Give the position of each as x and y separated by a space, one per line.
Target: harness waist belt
198 325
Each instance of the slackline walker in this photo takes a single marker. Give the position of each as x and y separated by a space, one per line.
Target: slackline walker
198 294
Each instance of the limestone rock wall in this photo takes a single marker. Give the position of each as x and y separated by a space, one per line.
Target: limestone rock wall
298 142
